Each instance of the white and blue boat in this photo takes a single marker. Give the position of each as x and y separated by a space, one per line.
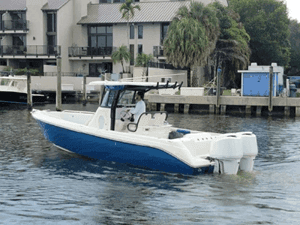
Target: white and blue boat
149 143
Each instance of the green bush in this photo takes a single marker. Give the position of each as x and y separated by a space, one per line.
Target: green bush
33 72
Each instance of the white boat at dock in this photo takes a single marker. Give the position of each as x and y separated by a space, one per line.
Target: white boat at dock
151 142
13 89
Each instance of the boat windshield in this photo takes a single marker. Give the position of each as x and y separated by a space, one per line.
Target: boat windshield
126 98
108 98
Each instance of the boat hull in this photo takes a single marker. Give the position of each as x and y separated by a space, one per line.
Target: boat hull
19 98
111 150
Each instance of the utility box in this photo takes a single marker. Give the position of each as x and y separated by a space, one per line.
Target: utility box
255 80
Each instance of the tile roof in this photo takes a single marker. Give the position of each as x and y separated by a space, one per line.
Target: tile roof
8 5
159 11
54 4
150 12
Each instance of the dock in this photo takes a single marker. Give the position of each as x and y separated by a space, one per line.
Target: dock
208 104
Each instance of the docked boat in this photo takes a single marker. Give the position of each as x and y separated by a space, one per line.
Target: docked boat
13 89
151 142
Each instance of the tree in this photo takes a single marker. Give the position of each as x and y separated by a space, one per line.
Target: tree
127 10
121 55
266 21
191 37
294 68
143 60
232 51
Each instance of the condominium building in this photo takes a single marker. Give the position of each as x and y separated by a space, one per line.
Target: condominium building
83 32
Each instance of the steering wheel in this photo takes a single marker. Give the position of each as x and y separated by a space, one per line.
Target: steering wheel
125 115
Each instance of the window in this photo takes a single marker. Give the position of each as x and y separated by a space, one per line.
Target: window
108 98
105 1
19 40
98 69
18 20
131 31
100 40
140 32
126 98
164 31
140 49
1 22
51 22
131 50
51 44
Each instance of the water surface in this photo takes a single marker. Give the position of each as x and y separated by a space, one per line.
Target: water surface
40 184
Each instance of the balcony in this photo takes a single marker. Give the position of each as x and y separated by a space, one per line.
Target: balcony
158 51
90 51
29 50
14 25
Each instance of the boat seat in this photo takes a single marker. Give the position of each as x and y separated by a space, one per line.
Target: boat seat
159 118
148 119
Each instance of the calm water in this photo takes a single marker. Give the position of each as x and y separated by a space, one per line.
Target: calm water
40 184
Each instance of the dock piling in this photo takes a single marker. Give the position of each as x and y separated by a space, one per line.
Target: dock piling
176 108
84 100
186 108
270 107
29 95
248 109
58 86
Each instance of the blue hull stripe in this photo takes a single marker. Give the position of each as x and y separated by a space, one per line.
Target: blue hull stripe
105 149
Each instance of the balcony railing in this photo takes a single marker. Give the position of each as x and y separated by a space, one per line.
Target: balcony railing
14 25
30 50
90 51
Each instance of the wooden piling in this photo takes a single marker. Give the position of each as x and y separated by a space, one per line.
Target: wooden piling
248 110
58 86
29 95
287 111
84 100
186 108
258 110
223 109
176 108
270 107
218 88
211 109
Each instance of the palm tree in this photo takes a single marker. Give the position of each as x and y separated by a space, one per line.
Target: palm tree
143 60
127 10
121 55
191 37
232 50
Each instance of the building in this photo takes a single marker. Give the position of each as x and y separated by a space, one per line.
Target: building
83 32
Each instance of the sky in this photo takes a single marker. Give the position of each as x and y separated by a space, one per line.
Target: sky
293 8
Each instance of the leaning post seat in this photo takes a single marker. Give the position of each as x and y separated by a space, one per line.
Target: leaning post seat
152 124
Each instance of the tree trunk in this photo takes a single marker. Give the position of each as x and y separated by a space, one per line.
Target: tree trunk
128 32
188 77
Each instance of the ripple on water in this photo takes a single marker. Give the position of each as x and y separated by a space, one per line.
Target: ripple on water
39 184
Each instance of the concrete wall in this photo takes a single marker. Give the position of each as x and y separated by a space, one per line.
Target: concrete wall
64 33
37 22
49 83
50 69
156 75
151 37
79 32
